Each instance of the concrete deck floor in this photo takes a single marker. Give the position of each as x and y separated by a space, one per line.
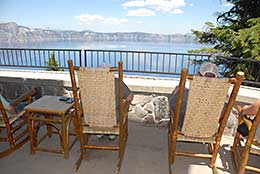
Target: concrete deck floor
146 152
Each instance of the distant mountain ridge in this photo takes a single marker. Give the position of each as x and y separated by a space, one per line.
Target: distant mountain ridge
13 33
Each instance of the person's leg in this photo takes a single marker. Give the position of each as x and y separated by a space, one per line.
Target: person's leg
19 107
251 109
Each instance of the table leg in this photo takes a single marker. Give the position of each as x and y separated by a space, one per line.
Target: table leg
31 132
64 136
49 128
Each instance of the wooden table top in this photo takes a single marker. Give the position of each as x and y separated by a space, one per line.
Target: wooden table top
49 104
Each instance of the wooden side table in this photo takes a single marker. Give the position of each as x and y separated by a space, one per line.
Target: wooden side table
50 110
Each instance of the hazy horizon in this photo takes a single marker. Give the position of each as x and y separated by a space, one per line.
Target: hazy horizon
89 30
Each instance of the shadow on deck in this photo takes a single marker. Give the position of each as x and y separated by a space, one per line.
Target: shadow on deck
146 152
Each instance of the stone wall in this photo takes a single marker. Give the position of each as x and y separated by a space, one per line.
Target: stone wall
148 107
10 87
152 109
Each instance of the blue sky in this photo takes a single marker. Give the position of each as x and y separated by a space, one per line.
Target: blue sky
152 16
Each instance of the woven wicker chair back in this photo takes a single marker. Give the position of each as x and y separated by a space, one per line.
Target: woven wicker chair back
97 91
205 103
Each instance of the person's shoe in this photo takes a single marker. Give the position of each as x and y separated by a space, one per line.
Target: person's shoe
99 136
111 137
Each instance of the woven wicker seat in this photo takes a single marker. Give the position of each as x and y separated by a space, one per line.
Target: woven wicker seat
244 147
96 103
204 120
14 126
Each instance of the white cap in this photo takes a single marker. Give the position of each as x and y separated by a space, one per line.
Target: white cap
208 67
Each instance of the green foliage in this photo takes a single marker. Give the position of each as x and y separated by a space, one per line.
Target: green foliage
204 51
235 67
240 13
53 64
242 43
236 35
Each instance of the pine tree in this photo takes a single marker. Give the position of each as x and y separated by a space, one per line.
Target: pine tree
53 64
237 34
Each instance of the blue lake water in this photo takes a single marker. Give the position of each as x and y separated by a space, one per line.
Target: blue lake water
112 45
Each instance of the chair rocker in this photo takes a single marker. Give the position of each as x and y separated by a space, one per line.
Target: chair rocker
244 147
14 127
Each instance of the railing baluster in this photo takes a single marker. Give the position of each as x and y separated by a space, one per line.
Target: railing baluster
35 60
74 58
157 57
126 57
59 61
176 62
21 55
151 61
132 60
103 56
16 57
12 56
2 57
138 55
25 57
169 67
64 58
109 59
40 57
115 63
91 52
97 58
85 57
188 63
8 57
182 60
163 63
144 61
194 64
44 56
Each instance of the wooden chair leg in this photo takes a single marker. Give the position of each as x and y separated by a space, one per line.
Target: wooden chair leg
78 163
215 153
234 151
170 164
82 139
172 150
214 170
245 156
121 152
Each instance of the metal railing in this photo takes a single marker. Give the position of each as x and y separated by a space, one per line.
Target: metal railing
37 58
134 62
144 61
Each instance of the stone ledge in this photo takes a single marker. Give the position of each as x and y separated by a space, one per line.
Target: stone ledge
139 84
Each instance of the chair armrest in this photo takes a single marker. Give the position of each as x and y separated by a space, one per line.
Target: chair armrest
24 97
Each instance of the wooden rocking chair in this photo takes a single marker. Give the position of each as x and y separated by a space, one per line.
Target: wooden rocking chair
15 127
204 121
95 101
243 147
